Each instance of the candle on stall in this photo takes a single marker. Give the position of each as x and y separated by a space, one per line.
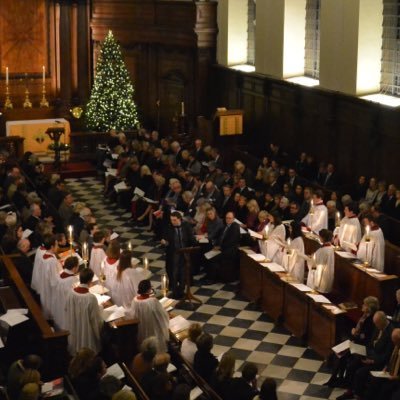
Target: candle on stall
44 74
146 263
164 285
183 108
289 242
85 253
70 232
266 230
367 230
7 76
129 246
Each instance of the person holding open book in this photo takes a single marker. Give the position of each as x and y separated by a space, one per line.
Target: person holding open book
360 334
374 358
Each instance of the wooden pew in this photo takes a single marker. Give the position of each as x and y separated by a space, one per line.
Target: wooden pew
133 383
52 346
250 279
353 283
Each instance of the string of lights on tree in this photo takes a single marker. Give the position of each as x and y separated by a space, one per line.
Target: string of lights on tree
111 104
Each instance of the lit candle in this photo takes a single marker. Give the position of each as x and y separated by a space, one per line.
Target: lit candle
367 229
44 74
289 242
164 285
7 76
183 108
70 232
146 263
338 218
85 253
129 246
266 230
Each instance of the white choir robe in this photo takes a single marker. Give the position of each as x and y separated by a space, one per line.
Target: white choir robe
271 248
374 250
318 220
123 290
84 321
97 256
65 283
293 262
321 278
37 272
51 270
349 231
153 320
109 267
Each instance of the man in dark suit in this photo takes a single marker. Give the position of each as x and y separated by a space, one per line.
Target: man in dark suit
22 262
227 202
244 388
178 235
293 179
198 151
330 180
35 217
244 190
229 247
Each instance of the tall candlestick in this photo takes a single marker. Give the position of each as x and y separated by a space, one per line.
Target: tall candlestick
70 235
164 285
146 263
44 74
85 253
367 230
7 76
129 246
183 108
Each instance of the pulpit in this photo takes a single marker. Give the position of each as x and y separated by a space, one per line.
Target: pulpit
229 122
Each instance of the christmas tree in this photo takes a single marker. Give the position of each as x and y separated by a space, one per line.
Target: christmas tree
111 104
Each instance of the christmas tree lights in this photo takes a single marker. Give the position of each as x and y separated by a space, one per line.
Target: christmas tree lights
111 104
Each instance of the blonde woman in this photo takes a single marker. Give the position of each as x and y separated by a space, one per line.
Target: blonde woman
252 215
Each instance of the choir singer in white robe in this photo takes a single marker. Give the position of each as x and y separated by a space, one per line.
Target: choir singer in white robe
321 266
293 254
110 264
83 316
125 284
348 234
67 280
372 246
317 217
51 267
97 254
37 269
153 319
274 238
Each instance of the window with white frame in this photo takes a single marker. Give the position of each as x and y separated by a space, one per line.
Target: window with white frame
312 39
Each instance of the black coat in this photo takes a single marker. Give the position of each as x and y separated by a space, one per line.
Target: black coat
229 241
238 389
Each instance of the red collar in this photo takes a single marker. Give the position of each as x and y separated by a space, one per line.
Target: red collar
81 290
143 296
98 246
375 228
111 260
46 256
42 248
65 275
326 244
354 216
321 203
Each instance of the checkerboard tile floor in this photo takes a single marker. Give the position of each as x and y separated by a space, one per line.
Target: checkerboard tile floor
235 324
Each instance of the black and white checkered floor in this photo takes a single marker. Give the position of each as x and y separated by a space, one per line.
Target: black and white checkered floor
235 323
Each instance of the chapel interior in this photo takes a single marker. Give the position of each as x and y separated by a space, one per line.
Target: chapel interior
250 80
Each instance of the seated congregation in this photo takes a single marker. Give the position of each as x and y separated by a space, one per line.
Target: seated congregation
204 213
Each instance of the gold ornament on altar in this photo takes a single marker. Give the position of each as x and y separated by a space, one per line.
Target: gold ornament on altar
27 102
44 102
8 104
76 112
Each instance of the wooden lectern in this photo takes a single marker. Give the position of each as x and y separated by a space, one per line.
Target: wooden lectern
187 252
230 121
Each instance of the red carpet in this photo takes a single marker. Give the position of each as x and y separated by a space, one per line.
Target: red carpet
72 169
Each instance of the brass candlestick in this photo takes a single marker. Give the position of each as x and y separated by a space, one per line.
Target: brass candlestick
8 104
44 103
27 102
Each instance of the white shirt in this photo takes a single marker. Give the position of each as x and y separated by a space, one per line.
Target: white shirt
271 248
37 272
349 231
97 255
51 270
188 350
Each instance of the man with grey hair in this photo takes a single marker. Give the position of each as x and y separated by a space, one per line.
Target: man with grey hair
35 217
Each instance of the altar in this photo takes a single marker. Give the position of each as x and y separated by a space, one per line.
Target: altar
33 131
